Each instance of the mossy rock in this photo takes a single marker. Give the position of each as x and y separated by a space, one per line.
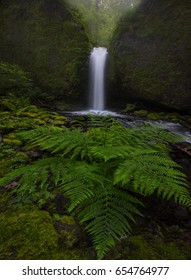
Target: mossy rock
81 118
12 142
47 40
27 114
153 116
57 120
175 117
83 253
151 54
4 114
129 108
69 231
11 161
142 113
27 234
30 108
7 105
148 246
58 117
11 139
77 123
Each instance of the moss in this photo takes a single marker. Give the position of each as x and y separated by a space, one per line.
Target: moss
27 114
27 234
142 113
129 108
153 116
152 55
175 117
12 142
7 105
13 78
75 254
30 108
46 40
77 123
69 232
57 120
27 117
11 161
149 247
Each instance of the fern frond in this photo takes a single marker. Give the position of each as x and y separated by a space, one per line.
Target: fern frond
154 134
111 152
80 181
108 214
59 141
36 178
154 172
101 171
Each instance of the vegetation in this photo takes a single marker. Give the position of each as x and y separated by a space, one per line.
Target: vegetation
44 39
105 172
83 187
13 79
151 54
23 239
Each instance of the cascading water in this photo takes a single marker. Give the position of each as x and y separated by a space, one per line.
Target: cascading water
97 78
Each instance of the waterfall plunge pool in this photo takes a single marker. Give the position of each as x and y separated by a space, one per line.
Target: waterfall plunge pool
98 59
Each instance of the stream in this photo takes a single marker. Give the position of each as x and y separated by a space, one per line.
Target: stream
130 120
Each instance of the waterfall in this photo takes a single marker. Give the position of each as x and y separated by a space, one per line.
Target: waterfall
97 78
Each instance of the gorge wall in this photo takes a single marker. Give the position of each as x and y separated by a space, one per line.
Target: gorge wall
46 40
151 54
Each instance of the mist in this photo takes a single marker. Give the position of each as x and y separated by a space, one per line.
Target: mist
100 17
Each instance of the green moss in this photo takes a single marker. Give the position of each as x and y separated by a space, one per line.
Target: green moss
149 247
142 113
27 114
45 39
83 253
10 158
26 117
153 116
12 142
56 119
27 235
69 232
7 105
151 53
30 108
76 123
129 107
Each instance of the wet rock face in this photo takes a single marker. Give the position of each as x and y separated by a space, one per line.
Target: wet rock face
45 39
152 56
54 9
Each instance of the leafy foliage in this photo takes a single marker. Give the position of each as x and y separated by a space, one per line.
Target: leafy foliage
14 79
104 171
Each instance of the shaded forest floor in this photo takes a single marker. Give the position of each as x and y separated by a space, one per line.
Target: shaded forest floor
163 233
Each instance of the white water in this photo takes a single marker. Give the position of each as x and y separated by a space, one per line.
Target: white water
97 78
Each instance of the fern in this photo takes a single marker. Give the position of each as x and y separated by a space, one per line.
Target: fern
108 213
101 170
63 142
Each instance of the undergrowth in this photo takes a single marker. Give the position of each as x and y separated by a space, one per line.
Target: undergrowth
105 171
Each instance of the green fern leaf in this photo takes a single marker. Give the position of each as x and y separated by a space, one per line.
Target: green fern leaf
102 170
108 213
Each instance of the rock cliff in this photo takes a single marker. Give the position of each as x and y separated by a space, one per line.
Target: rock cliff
151 54
48 41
